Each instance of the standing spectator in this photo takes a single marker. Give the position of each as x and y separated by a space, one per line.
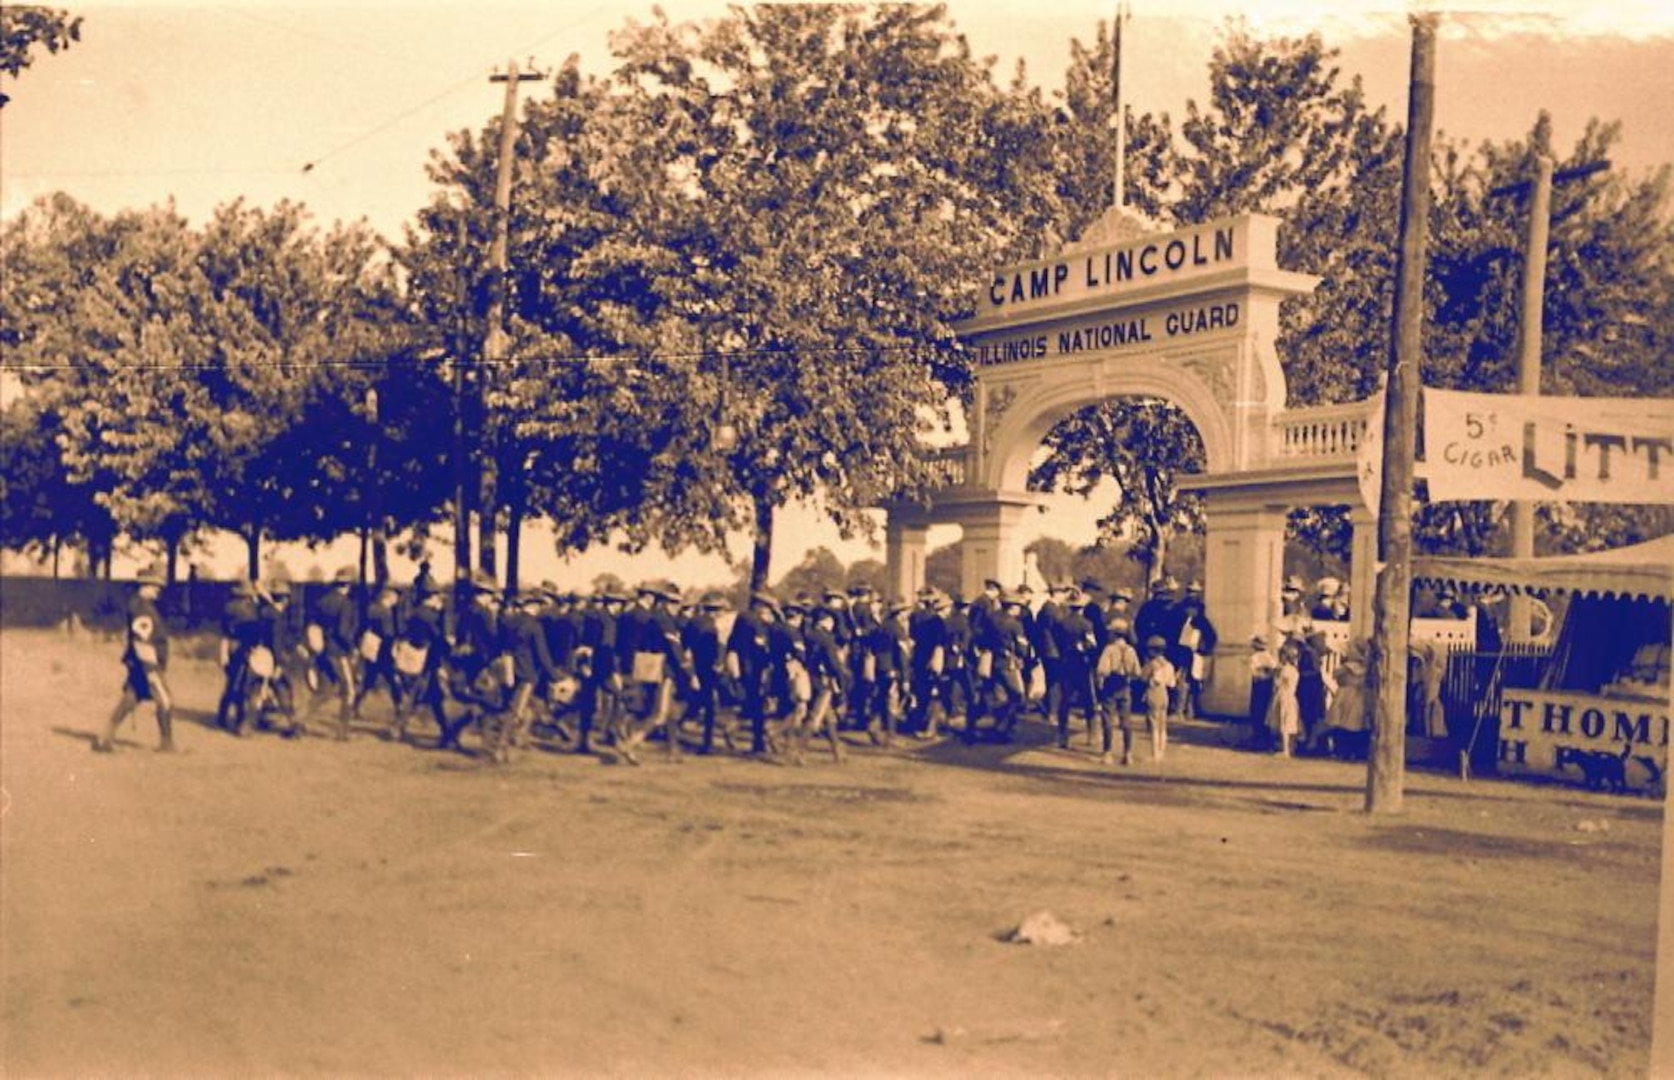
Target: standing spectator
145 658
1193 650
1325 604
1264 663
1158 677
1117 672
1312 693
1284 715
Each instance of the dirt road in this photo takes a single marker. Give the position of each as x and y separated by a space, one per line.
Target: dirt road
310 907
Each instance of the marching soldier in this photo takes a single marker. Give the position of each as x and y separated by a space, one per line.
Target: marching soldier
702 639
1003 649
597 666
420 658
863 622
960 691
377 644
471 677
750 662
1046 645
523 641
145 658
793 685
1077 655
928 634
239 631
828 674
656 661
340 622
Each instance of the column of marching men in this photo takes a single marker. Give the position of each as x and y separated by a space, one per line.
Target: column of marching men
613 672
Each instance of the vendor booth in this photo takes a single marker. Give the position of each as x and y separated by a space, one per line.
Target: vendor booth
1597 712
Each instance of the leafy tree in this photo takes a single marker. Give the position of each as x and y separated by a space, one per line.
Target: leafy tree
23 27
942 569
806 187
41 509
820 569
1141 445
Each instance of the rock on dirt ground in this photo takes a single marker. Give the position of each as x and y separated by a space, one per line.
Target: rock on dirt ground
311 907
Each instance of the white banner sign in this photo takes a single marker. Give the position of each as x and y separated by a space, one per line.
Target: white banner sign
1548 449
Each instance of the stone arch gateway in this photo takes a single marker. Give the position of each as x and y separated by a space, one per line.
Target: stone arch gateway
1190 316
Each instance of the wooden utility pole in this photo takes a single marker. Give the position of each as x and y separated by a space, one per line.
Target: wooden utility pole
1386 668
1531 314
464 480
494 345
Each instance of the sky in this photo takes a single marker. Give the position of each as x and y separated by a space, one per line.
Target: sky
338 105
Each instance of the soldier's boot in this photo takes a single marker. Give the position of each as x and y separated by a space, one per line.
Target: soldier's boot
836 741
105 743
165 728
1063 731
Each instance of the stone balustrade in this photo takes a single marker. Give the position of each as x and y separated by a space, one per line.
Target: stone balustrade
1319 432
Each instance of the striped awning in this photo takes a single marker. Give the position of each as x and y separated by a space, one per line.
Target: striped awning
1638 572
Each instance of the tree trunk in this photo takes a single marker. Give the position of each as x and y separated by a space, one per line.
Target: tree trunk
253 543
488 521
171 544
380 553
759 564
1159 557
56 544
365 557
515 511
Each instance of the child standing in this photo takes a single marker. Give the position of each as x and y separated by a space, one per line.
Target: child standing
1117 669
1284 714
1263 662
1160 679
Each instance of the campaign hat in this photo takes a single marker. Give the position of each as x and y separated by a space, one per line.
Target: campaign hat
1024 590
483 581
1091 585
1155 642
1123 593
243 588
835 593
1328 586
151 575
765 599
1195 588
344 575
1160 585
1258 643
1292 584
990 583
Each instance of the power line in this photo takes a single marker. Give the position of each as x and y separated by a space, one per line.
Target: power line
468 80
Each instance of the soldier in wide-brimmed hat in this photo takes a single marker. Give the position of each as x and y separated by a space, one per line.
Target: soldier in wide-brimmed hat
145 658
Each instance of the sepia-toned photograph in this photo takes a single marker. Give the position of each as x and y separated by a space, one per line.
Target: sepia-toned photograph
738 540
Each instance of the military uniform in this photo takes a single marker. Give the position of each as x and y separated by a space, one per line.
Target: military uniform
341 625
145 658
239 621
750 662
